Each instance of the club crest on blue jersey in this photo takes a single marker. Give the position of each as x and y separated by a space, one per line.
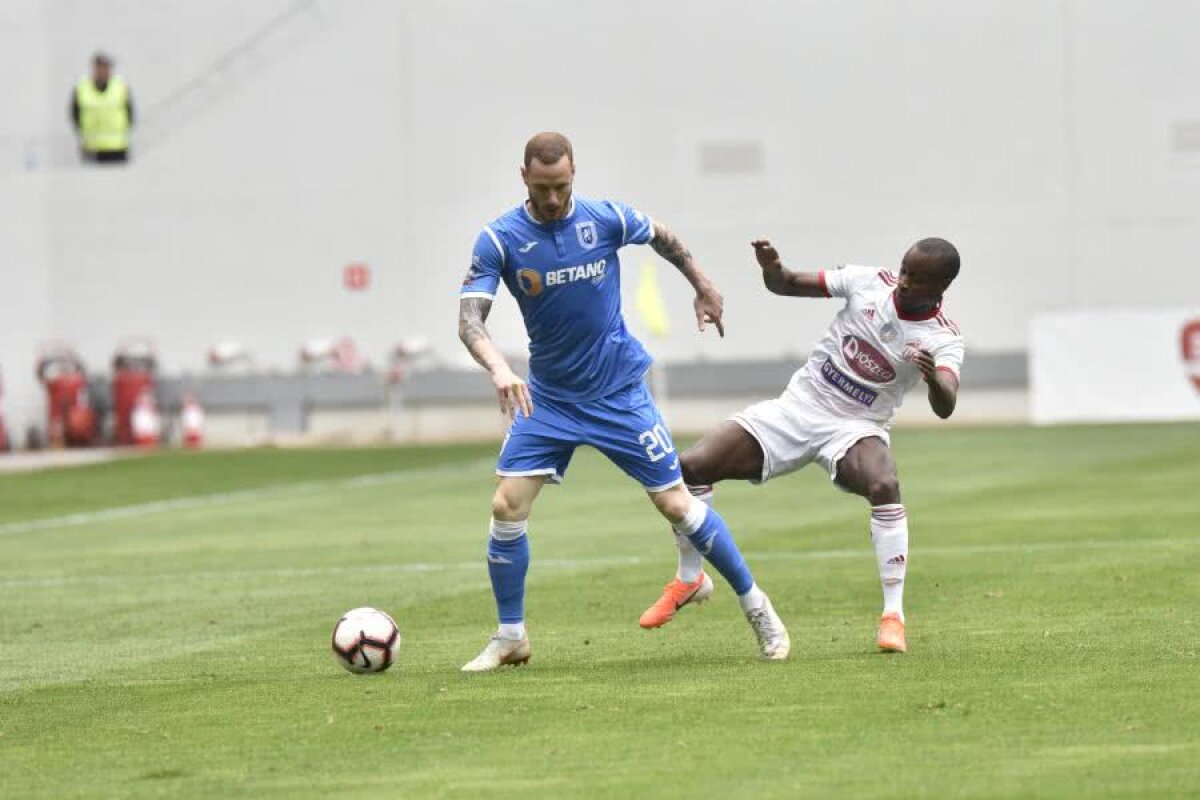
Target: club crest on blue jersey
586 231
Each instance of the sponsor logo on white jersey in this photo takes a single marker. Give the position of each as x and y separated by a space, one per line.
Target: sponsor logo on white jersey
847 385
866 361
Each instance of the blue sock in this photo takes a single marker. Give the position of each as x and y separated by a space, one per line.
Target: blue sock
712 538
508 561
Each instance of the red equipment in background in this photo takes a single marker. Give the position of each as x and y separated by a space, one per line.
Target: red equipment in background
70 420
327 355
4 444
407 355
133 376
191 420
145 421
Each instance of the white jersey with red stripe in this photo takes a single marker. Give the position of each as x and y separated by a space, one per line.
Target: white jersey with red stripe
861 368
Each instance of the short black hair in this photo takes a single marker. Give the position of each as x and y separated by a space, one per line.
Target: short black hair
102 57
945 253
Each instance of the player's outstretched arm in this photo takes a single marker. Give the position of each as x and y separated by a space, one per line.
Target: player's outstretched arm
709 303
780 280
511 391
943 384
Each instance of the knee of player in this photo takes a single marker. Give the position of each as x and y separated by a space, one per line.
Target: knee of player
673 503
508 508
884 489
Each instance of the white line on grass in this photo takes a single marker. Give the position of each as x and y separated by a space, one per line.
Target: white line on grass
596 562
228 498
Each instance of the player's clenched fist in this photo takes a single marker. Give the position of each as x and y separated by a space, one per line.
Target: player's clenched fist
767 255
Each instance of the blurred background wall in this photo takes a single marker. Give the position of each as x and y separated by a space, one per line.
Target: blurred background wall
1056 143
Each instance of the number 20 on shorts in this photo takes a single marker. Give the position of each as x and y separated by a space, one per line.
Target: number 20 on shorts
657 443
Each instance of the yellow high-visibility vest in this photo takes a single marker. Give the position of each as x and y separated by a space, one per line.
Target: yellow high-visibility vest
103 116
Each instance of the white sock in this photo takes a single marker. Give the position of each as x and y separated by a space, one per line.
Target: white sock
512 630
754 598
691 563
889 533
502 530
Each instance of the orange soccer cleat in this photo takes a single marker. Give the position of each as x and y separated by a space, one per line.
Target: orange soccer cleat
675 596
891 634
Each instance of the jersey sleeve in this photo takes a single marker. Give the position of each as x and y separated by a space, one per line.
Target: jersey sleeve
948 355
634 226
487 261
847 279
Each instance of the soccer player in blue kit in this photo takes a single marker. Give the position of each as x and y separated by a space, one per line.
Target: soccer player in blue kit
557 254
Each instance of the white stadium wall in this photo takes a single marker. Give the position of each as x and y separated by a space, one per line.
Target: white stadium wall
25 232
1057 143
1116 366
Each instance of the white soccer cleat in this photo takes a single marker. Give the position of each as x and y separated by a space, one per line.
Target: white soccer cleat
773 641
499 651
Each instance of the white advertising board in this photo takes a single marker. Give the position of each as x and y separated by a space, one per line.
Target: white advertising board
1115 366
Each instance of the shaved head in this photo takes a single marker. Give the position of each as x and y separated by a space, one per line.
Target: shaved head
548 147
941 253
926 272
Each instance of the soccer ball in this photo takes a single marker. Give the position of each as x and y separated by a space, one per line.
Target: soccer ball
366 640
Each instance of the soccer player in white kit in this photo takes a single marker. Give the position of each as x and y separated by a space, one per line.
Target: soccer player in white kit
838 408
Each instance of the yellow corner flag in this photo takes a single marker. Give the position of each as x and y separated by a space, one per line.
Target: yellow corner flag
650 304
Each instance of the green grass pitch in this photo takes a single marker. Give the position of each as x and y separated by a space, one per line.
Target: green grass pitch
164 630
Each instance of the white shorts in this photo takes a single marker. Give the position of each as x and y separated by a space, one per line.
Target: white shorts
794 431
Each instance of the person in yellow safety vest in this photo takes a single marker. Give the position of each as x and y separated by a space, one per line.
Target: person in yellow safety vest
102 109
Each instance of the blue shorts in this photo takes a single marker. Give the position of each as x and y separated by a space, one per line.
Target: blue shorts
625 426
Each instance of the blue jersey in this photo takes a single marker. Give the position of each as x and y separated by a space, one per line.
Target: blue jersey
566 278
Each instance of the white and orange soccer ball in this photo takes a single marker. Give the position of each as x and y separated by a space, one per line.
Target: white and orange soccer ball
366 640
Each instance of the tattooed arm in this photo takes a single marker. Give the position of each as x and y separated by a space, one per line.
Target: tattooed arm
511 391
709 304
